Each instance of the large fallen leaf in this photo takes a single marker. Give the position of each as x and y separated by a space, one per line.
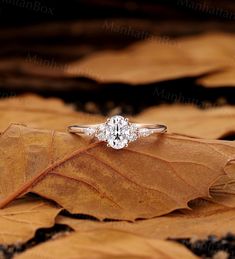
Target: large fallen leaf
22 218
105 244
151 177
38 112
205 219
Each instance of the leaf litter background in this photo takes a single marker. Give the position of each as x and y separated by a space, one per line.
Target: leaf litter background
170 196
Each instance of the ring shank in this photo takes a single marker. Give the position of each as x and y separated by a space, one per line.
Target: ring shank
81 129
155 128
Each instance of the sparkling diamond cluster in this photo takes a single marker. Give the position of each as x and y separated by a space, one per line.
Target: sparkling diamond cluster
118 132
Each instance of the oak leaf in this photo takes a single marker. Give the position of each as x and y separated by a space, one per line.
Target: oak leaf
23 217
152 177
105 244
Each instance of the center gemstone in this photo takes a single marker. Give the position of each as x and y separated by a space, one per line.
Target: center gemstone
117 129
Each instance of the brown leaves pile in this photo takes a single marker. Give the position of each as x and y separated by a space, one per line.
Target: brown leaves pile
209 58
156 179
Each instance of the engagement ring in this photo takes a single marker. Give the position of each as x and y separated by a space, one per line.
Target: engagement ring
117 131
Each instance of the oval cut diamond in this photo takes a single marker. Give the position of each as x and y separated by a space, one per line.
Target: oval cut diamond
117 132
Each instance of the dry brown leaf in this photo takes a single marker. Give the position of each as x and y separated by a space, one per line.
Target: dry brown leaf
205 219
23 217
38 112
153 61
211 123
151 177
106 244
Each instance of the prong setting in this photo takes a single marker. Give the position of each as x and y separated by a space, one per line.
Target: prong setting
118 132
